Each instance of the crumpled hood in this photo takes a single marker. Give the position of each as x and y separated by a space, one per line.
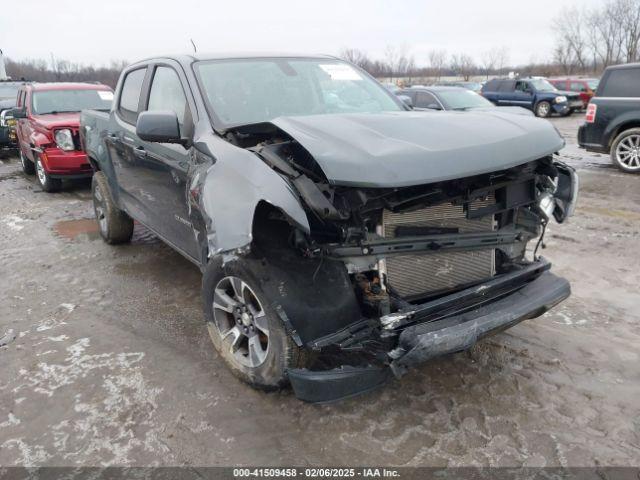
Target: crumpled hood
397 149
53 121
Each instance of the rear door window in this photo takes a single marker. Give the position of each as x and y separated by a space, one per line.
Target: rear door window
130 95
624 82
507 86
426 100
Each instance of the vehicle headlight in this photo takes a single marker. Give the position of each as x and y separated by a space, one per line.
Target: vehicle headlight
561 99
546 204
64 140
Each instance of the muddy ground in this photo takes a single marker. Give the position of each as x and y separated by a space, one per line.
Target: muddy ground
111 364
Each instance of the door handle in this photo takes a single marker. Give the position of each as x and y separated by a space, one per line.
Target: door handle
140 152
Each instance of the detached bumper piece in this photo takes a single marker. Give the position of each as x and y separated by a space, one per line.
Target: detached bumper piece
337 384
421 342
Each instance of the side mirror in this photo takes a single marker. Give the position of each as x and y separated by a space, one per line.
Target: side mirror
434 106
159 127
406 99
18 113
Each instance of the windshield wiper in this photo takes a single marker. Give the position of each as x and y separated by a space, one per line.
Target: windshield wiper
55 112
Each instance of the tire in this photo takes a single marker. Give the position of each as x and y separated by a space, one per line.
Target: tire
47 183
27 165
543 109
625 151
115 225
252 341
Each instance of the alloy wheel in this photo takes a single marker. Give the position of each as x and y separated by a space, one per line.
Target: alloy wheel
543 109
100 209
241 321
628 152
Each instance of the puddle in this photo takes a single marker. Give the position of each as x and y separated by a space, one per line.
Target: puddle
84 228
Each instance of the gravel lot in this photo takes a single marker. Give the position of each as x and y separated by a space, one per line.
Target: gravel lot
112 365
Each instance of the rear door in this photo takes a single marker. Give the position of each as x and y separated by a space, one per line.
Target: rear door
618 100
166 165
506 92
125 148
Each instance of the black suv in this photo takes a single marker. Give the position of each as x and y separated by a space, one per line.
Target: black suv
536 94
613 118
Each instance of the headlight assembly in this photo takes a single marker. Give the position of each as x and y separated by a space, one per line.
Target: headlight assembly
561 99
64 139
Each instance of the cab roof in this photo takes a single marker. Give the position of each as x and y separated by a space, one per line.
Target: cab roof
67 86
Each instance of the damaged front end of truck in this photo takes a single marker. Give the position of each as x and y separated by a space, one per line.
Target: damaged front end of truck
410 253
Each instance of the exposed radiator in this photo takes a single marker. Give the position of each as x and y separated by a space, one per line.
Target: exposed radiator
412 276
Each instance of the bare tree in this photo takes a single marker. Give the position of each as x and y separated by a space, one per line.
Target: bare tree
490 59
502 59
463 65
437 62
630 10
357 57
63 70
569 28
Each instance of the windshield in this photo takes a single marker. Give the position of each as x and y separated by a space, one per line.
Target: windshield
543 86
462 99
593 84
57 101
8 91
246 91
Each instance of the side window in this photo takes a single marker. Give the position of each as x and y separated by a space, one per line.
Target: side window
130 95
167 93
522 87
624 82
507 86
577 87
425 99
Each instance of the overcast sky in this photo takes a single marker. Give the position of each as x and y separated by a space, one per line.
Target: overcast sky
97 31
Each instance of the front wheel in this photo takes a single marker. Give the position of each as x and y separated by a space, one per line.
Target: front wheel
543 109
244 327
625 151
27 165
47 183
115 225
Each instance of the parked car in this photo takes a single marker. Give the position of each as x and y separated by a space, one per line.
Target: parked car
318 208
536 94
452 98
585 87
48 116
612 122
473 86
8 96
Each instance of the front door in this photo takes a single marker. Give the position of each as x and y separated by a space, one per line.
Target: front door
167 165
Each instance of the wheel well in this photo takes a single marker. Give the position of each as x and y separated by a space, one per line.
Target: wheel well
270 227
621 128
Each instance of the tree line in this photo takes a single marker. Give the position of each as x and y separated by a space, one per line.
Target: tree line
63 71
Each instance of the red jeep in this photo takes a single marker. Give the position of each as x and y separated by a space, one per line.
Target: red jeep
586 87
48 117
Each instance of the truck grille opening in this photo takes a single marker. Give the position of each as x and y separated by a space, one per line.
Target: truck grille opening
420 275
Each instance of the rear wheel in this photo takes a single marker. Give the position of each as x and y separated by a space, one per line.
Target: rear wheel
115 225
543 109
27 165
244 327
625 151
47 183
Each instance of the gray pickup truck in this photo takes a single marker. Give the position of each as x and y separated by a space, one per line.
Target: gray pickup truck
343 238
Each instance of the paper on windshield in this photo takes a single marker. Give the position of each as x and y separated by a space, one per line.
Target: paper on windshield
341 72
105 95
